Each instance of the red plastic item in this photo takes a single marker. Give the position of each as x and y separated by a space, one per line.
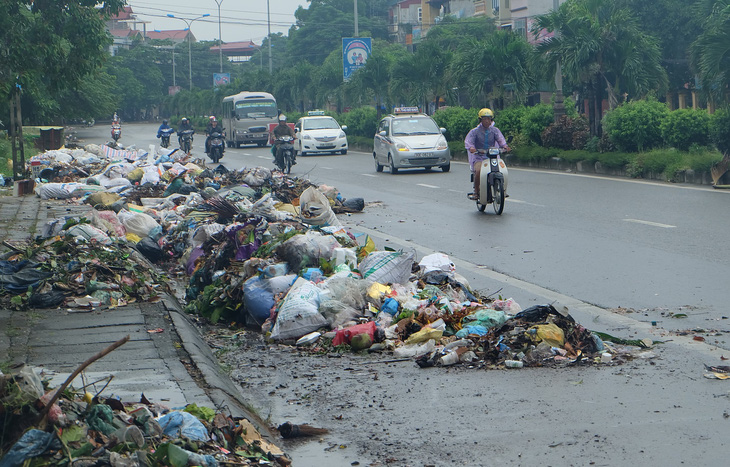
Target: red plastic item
344 336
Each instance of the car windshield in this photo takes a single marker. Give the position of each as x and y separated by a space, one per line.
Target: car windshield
320 124
414 126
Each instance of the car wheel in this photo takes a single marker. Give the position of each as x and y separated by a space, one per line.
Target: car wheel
446 167
427 169
378 167
343 152
393 168
303 154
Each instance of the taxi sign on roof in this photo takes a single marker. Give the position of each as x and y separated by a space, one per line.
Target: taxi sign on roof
312 113
406 110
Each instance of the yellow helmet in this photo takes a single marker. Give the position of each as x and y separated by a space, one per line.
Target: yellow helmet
486 113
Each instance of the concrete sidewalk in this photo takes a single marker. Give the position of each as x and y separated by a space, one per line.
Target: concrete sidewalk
174 367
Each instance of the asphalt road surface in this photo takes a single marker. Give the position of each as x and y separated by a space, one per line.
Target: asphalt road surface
619 253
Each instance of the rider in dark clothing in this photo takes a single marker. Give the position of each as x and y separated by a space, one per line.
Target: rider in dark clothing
164 126
282 129
212 127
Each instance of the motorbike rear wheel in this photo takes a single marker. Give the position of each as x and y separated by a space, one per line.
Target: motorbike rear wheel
287 161
498 196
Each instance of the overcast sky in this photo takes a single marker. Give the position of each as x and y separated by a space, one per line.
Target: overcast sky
241 20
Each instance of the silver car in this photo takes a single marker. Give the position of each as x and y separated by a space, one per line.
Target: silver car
407 139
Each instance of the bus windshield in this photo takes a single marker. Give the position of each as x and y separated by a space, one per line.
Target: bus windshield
256 108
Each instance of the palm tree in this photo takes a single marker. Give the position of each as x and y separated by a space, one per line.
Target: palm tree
489 66
422 77
711 52
601 46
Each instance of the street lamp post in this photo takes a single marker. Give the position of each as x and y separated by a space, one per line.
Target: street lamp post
189 22
559 106
220 39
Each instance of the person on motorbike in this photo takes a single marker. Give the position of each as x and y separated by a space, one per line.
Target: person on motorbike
282 129
184 126
116 125
484 136
164 126
212 127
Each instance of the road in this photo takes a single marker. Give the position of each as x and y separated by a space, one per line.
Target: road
654 248
575 239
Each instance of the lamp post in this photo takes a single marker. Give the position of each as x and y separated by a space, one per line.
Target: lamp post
189 22
268 16
559 106
220 39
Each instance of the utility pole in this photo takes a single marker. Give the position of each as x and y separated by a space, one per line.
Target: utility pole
268 14
220 39
558 106
357 33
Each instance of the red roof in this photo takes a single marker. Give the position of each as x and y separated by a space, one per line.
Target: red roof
124 13
175 35
236 48
124 32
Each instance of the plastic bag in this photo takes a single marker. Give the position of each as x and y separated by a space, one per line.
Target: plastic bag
298 314
88 232
388 266
414 350
315 208
258 299
137 223
306 250
183 424
436 262
344 336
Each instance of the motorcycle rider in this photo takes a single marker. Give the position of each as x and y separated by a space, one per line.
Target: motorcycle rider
164 126
116 124
484 136
184 126
282 129
212 127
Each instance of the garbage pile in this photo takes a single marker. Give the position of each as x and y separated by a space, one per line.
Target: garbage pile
85 429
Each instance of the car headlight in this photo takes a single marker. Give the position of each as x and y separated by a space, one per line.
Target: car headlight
441 144
401 146
341 135
306 137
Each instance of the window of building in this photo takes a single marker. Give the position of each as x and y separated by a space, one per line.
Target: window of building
420 15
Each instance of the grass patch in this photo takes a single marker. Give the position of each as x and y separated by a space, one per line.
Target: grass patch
6 153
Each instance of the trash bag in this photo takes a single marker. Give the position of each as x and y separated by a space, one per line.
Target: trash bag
298 313
150 249
17 276
306 250
537 313
257 300
137 223
33 443
52 299
88 232
183 425
386 267
316 209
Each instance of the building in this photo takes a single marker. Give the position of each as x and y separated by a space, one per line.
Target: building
237 52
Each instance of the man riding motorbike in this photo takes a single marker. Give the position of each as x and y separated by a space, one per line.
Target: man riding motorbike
164 126
212 127
484 136
282 129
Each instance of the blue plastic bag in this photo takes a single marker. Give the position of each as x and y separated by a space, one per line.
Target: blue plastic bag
184 425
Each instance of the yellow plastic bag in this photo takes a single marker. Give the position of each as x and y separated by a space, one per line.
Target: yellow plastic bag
551 334
424 335
377 290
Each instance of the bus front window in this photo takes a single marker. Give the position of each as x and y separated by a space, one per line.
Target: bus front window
256 109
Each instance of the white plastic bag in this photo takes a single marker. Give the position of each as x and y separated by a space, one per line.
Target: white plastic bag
436 262
137 223
316 209
299 312
387 266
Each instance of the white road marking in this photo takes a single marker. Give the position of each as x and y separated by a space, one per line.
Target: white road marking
326 168
512 200
653 224
246 153
264 157
369 175
427 186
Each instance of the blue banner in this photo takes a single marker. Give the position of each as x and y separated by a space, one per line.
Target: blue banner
355 52
221 79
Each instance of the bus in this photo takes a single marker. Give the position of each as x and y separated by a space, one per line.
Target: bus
246 118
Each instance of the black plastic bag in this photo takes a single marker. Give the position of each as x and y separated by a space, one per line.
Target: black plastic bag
150 249
52 299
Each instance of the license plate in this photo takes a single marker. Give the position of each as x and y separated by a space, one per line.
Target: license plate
424 154
326 146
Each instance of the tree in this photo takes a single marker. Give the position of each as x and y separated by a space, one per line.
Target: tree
711 52
421 77
490 66
603 47
62 41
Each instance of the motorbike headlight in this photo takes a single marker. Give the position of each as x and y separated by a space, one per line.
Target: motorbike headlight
401 146
441 144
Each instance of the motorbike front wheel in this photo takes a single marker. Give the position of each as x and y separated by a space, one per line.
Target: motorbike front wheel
498 196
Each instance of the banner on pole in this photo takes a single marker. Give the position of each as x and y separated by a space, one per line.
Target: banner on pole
221 79
355 52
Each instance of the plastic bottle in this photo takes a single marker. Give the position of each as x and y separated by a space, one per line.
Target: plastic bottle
513 364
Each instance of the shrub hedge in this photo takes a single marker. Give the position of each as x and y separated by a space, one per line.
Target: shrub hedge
684 127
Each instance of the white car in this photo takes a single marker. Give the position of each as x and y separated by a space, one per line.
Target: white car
319 133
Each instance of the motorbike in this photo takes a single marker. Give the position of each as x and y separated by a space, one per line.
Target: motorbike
186 140
284 153
216 146
116 132
492 181
165 137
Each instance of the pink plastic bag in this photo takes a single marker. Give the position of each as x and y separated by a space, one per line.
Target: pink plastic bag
344 336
